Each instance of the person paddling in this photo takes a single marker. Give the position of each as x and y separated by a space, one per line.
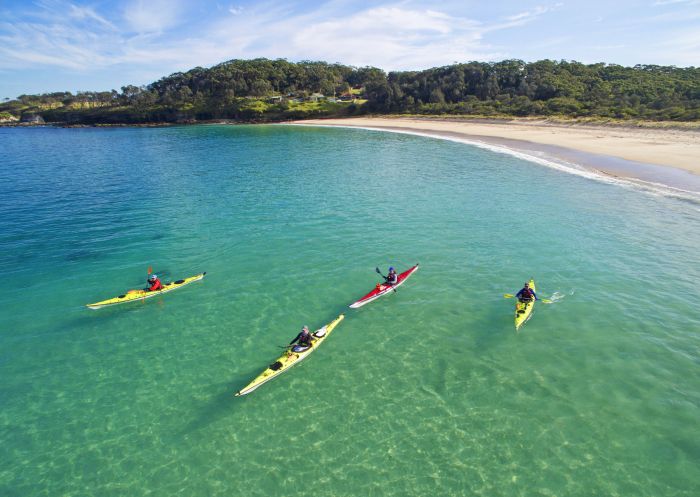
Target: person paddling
526 294
303 339
154 284
392 278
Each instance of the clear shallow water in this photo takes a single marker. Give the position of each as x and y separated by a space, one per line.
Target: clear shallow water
426 392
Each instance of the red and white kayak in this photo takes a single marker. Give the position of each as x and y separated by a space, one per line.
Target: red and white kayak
383 289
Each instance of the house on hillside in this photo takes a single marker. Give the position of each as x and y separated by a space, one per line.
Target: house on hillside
315 97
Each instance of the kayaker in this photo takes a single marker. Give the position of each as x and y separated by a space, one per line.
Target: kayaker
154 284
303 338
526 294
392 278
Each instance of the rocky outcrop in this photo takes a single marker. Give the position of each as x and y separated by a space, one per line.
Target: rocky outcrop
32 118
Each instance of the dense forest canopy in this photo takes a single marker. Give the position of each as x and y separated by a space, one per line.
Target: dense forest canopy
263 89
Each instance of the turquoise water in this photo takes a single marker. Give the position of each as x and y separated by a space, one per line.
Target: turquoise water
429 391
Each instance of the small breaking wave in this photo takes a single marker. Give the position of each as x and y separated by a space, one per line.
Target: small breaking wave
558 296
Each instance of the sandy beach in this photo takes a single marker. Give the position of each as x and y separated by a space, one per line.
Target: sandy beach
669 156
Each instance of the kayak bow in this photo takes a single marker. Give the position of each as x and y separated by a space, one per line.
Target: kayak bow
523 310
134 295
380 290
291 358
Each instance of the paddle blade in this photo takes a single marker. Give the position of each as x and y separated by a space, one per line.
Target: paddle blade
546 301
377 270
508 296
150 270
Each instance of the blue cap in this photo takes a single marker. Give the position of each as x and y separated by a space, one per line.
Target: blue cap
391 269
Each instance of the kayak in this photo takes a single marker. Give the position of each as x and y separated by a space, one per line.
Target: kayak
383 289
523 310
291 357
134 295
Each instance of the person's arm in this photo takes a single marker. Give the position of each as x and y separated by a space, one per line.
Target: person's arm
533 293
295 339
519 294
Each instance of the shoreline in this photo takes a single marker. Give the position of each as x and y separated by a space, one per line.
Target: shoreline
666 157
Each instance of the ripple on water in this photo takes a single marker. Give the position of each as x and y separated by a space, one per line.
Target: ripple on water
428 391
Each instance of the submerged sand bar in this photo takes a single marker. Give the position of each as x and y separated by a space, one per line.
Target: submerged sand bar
634 152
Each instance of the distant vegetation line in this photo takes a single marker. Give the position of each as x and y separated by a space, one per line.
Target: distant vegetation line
273 90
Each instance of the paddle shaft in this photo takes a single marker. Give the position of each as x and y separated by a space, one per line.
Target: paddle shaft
510 296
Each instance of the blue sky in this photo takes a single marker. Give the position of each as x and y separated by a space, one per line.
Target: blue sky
54 45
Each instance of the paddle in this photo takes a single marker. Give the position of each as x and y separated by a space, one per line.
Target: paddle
141 290
544 301
292 345
385 278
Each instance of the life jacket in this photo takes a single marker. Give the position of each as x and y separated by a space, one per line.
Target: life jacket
526 294
156 285
304 340
392 279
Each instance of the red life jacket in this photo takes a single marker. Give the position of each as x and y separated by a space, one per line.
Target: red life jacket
156 285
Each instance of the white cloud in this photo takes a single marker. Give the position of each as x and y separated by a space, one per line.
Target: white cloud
527 15
606 47
675 2
153 16
524 17
390 36
89 14
151 36
682 49
24 44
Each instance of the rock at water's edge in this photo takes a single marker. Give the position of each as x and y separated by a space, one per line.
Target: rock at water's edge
32 119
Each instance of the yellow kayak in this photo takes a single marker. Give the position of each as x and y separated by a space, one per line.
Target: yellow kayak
523 310
291 357
134 295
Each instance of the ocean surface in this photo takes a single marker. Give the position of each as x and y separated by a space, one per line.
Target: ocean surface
428 391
